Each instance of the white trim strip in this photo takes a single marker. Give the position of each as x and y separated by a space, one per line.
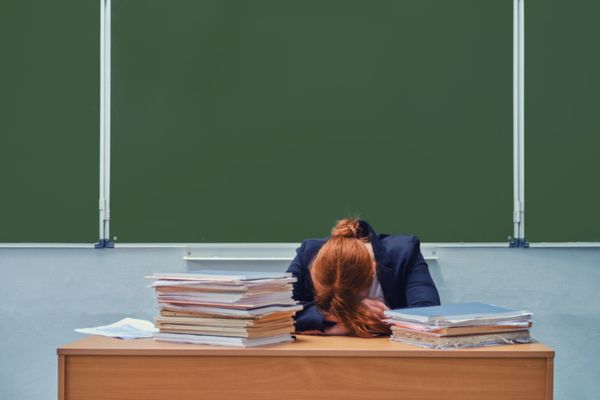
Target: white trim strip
105 83
215 258
107 114
261 259
563 245
211 246
291 246
47 245
519 118
294 246
465 245
102 95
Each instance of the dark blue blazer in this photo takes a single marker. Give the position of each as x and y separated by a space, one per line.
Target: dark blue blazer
401 270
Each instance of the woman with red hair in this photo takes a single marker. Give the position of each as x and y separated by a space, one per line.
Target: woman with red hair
348 280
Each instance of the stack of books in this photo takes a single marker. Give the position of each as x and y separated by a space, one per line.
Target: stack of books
459 325
221 308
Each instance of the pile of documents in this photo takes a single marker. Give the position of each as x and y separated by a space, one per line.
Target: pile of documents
127 328
460 325
224 308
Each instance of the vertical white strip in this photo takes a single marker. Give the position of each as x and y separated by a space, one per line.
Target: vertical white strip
105 38
522 117
107 109
518 118
102 118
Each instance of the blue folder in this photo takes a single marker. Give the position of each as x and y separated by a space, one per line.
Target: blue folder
458 313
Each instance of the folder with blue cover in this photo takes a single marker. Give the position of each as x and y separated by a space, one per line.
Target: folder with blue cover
461 325
458 314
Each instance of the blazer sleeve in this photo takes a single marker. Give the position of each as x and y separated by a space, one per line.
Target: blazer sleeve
310 317
420 289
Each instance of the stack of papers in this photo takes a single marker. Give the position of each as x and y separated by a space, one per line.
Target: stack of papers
221 308
127 328
460 325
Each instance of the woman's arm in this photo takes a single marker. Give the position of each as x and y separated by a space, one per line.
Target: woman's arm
310 318
336 329
420 289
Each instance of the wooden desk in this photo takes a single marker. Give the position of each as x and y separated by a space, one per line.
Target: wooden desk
311 368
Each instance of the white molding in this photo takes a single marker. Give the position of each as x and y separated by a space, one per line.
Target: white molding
47 245
207 246
563 245
248 252
105 97
273 252
239 252
223 248
519 118
101 183
441 245
466 245
217 258
286 246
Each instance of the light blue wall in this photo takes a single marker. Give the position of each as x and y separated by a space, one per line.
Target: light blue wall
46 293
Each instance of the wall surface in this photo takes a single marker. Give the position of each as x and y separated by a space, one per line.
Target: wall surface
49 292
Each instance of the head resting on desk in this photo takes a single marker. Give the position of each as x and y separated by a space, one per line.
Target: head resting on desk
342 273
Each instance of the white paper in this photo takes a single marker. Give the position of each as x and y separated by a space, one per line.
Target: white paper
222 276
127 328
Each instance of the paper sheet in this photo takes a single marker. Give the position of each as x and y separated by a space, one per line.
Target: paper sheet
127 328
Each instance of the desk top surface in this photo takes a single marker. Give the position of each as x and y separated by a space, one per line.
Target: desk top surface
303 346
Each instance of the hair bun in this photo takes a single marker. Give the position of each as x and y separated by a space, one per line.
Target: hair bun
348 228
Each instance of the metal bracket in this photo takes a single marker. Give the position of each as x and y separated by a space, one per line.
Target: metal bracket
104 244
519 243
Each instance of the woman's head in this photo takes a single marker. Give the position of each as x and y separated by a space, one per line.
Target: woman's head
342 273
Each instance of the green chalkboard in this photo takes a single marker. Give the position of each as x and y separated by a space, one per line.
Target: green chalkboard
49 100
267 120
562 131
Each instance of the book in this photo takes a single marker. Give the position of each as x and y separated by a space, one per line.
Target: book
226 299
233 312
248 305
234 289
430 341
274 315
223 276
229 332
458 314
221 340
495 327
223 308
239 322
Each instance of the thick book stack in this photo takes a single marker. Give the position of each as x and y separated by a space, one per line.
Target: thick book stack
460 325
229 309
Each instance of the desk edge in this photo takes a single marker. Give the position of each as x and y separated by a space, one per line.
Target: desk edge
256 352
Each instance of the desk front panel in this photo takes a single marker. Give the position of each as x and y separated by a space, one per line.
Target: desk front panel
118 377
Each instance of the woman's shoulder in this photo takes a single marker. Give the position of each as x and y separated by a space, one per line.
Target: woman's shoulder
399 240
400 246
397 246
309 248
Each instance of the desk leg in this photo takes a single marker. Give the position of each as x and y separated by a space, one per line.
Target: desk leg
61 377
550 378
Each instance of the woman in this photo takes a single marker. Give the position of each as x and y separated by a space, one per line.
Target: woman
347 281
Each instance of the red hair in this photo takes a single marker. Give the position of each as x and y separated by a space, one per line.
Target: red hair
342 274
